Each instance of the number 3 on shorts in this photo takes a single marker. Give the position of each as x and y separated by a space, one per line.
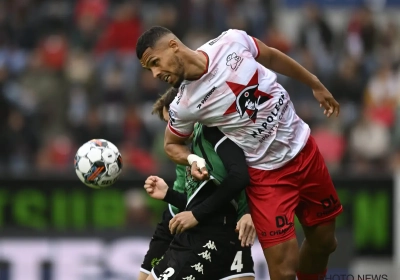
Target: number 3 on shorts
237 262
167 273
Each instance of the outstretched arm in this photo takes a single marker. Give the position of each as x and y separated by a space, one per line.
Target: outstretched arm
158 189
279 62
176 198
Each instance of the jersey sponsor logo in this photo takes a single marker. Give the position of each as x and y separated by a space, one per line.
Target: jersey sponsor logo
172 119
248 98
190 277
206 97
277 113
180 94
213 74
213 41
234 61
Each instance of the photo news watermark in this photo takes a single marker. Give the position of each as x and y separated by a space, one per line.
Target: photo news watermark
354 277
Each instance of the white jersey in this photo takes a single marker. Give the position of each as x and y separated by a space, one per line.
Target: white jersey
243 99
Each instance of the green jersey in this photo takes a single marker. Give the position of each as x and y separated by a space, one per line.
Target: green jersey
203 148
179 185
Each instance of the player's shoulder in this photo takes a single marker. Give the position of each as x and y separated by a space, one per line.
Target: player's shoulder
228 36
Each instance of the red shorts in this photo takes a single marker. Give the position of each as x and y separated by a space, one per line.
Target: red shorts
303 187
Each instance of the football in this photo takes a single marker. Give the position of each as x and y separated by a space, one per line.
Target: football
98 163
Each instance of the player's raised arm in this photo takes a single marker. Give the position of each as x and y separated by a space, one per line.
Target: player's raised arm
279 62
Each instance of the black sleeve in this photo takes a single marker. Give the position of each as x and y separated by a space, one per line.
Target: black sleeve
176 198
237 174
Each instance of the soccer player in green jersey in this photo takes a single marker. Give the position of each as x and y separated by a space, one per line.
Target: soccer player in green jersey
221 256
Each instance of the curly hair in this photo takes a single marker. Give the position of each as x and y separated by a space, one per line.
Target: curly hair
163 102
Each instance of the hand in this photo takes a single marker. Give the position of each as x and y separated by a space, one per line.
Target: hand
326 100
182 221
199 174
156 187
247 231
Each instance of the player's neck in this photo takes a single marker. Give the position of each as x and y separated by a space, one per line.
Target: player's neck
196 65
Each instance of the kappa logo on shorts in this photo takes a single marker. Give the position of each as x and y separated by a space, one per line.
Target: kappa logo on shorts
206 255
198 267
189 278
210 245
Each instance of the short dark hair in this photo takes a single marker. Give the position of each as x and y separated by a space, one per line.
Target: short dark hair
149 38
164 101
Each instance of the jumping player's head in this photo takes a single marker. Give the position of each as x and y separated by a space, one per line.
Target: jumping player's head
161 106
160 51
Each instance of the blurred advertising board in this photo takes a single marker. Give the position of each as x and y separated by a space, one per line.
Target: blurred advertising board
55 230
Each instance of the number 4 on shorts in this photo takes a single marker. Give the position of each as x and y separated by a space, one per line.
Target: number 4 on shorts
237 262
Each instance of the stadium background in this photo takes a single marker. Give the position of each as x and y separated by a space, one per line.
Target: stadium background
69 73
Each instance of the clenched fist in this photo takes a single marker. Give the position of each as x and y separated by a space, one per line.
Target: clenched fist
156 187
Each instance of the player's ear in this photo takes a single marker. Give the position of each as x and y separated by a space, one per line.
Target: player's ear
173 44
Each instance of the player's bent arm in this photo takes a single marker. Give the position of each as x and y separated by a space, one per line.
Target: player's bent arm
237 177
176 198
281 63
176 148
243 207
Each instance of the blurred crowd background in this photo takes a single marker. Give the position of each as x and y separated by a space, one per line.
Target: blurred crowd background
69 73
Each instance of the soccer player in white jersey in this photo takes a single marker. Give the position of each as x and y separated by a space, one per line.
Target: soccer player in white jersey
229 82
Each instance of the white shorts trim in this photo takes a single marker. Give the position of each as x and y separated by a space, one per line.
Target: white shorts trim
239 275
154 275
144 271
